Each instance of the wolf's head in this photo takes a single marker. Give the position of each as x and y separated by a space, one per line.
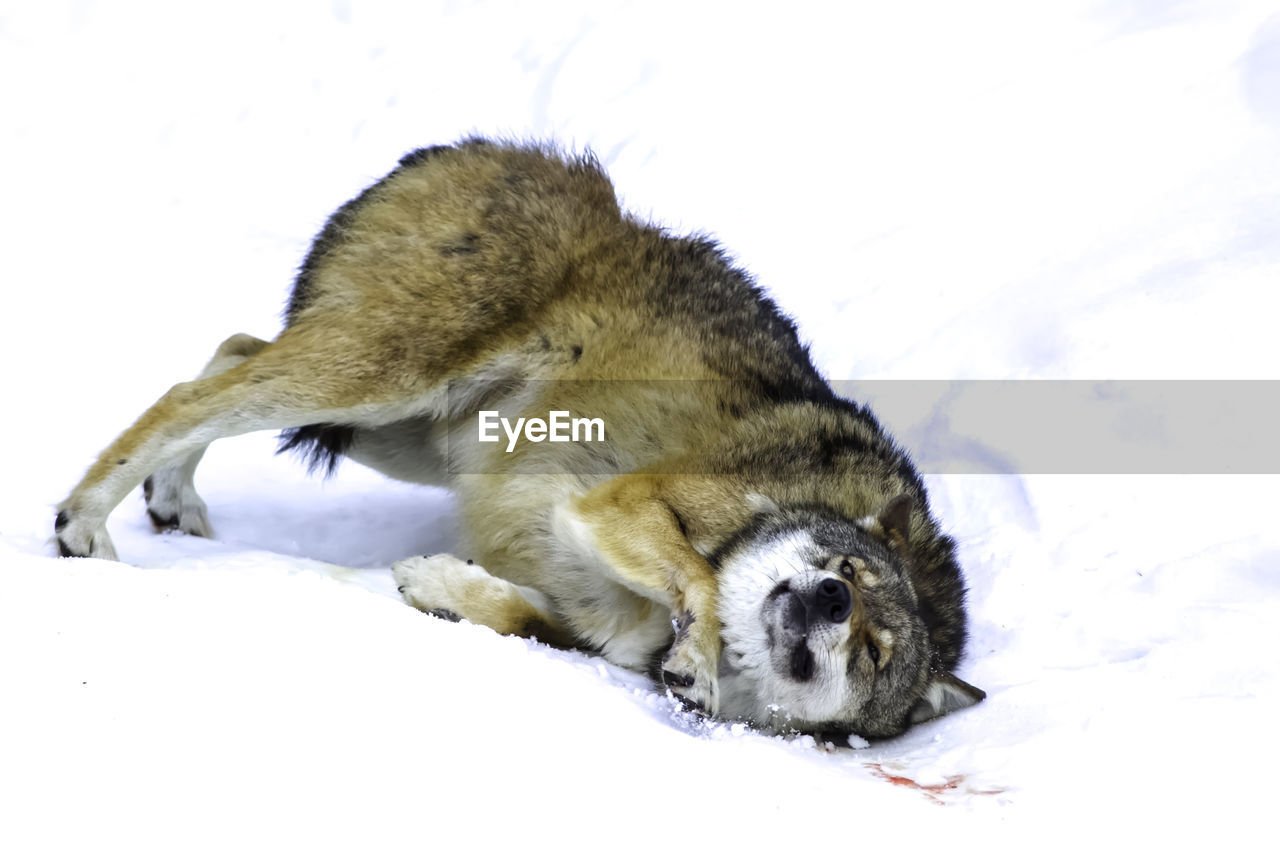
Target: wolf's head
822 628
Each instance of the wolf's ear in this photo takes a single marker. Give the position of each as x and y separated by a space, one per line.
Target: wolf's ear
895 518
893 522
945 694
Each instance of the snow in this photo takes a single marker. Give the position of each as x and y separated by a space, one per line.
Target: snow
989 190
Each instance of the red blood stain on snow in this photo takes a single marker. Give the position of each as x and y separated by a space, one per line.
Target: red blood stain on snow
935 793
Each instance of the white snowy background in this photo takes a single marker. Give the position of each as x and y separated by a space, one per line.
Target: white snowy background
998 190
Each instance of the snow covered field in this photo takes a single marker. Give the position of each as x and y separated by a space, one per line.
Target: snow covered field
989 190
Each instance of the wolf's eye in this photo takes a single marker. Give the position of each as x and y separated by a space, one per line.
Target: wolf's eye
846 569
874 651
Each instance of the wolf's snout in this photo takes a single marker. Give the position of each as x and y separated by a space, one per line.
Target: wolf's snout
832 601
829 602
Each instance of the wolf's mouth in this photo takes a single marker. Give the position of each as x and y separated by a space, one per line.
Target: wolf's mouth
787 625
801 661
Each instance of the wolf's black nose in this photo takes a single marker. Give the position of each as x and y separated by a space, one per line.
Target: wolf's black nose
833 601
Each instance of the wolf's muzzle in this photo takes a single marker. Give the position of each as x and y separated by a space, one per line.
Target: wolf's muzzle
832 601
829 601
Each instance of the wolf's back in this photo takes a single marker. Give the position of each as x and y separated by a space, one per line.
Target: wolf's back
491 225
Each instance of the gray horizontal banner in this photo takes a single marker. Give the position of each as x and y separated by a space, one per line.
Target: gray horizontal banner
947 427
1080 427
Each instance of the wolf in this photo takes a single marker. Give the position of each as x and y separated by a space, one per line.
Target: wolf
756 543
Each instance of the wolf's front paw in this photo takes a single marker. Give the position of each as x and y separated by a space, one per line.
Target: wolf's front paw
432 584
172 504
77 539
689 668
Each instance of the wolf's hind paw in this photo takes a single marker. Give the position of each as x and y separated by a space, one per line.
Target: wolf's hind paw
77 540
173 505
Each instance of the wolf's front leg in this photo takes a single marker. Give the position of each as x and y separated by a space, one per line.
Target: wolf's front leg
445 586
635 530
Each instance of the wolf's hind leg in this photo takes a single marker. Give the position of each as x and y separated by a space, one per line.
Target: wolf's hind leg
446 586
292 381
170 492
